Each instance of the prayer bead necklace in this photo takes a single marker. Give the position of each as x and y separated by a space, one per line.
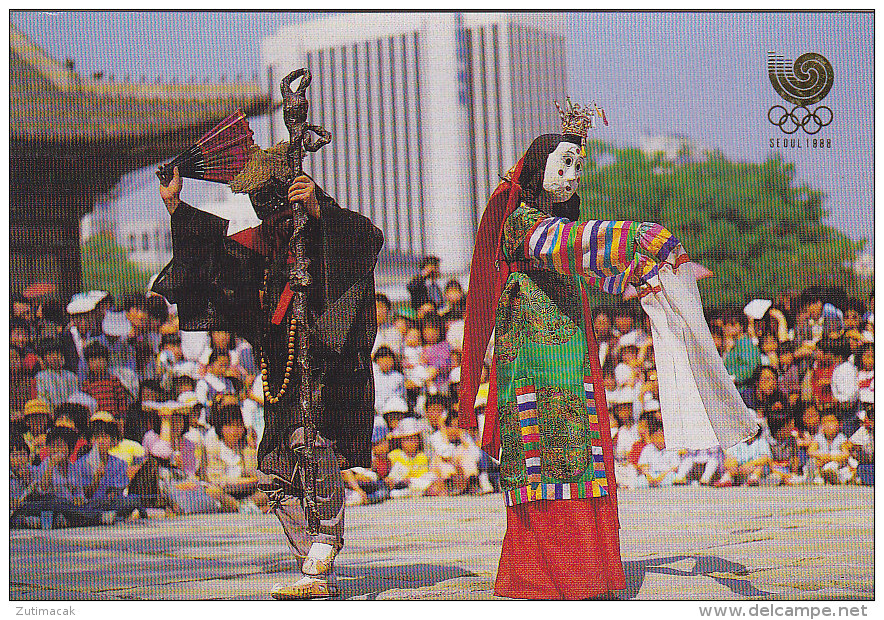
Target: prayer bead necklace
290 362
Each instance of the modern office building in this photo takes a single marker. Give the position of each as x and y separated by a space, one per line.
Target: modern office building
426 112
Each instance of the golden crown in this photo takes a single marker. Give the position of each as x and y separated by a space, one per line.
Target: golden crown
577 120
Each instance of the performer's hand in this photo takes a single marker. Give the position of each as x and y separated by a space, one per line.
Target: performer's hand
171 193
303 190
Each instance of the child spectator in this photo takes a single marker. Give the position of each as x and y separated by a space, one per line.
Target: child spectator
788 379
231 462
744 356
103 475
627 372
770 347
416 373
456 459
20 340
242 358
648 397
54 385
602 324
818 381
625 329
829 452
133 454
75 417
21 388
105 388
656 466
862 449
122 354
170 356
436 355
388 382
625 435
215 380
762 389
22 481
845 386
785 460
454 301
59 489
410 468
436 409
36 417
747 461
394 412
388 334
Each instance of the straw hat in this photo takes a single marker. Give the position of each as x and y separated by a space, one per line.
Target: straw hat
36 407
102 416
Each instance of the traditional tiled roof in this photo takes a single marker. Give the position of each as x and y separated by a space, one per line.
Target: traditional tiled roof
51 102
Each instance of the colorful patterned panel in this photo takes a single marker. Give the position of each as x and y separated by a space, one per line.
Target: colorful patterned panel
574 490
526 397
595 437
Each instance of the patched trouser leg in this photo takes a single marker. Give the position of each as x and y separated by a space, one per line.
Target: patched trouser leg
329 489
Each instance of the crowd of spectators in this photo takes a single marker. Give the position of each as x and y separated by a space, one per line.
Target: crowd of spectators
117 414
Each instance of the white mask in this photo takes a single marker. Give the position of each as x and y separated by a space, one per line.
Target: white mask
563 168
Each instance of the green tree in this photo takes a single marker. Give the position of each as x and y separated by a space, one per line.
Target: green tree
757 230
106 267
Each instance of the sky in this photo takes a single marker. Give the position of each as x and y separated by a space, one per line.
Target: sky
701 75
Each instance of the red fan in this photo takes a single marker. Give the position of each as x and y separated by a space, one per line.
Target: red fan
218 156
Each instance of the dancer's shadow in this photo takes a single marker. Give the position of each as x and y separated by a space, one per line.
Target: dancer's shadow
370 581
710 566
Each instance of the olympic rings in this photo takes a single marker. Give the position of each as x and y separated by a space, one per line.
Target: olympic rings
801 117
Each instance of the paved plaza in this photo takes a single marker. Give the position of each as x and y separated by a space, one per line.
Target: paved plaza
677 543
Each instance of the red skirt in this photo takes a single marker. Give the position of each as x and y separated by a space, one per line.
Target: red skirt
560 549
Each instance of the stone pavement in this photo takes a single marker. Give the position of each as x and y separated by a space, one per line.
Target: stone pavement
677 543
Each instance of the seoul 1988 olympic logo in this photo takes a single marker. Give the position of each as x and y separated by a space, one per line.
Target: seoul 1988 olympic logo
803 83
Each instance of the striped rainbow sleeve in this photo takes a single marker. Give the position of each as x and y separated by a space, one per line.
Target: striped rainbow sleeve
597 248
656 240
615 285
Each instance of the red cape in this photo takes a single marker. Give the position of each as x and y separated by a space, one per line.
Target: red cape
488 275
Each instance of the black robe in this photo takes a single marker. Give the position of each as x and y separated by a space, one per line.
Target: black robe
215 282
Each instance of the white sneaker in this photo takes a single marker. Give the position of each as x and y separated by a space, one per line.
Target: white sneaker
306 587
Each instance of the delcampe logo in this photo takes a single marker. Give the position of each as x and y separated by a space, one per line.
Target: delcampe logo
803 83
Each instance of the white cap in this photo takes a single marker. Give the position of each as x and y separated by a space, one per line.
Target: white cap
406 428
756 308
82 303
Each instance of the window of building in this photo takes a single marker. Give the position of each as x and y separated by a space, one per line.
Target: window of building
145 242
